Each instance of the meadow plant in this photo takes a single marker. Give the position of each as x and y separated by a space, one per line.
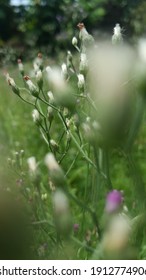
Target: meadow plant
85 109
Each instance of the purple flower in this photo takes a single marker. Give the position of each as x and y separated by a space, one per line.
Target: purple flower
76 227
113 201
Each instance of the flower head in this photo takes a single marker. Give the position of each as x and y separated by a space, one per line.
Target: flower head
113 201
20 66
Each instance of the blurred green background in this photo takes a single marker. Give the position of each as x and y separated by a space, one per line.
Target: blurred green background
50 24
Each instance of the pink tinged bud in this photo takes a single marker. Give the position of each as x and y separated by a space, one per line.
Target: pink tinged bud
114 201
12 83
32 88
80 26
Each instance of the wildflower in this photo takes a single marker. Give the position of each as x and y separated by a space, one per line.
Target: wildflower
39 79
54 144
69 59
74 41
33 89
36 67
62 213
83 63
50 113
64 71
81 81
38 63
32 165
60 201
55 171
116 237
114 201
117 36
36 116
87 40
20 66
51 97
12 83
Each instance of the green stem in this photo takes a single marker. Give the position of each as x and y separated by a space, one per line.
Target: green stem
139 187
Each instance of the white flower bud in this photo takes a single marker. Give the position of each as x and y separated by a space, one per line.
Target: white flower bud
69 59
81 82
68 122
32 165
38 63
117 37
39 78
60 201
51 162
33 89
44 196
51 97
50 110
117 236
83 63
12 83
74 41
35 116
64 70
20 66
53 144
36 67
55 171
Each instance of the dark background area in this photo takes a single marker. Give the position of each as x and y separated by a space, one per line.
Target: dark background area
51 24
